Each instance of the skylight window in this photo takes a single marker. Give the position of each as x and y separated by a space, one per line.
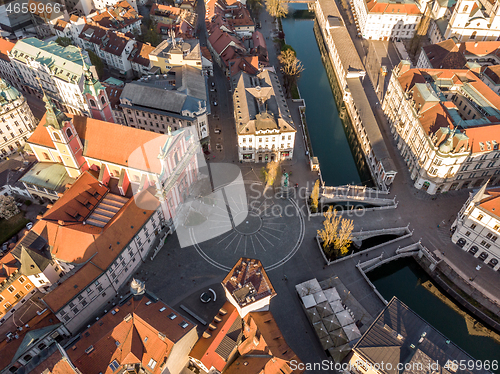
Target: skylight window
114 365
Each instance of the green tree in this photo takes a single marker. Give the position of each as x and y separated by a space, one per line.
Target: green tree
63 41
97 62
315 197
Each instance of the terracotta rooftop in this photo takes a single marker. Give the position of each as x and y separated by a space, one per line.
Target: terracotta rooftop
248 282
73 241
140 53
56 363
219 342
118 16
491 201
8 265
60 24
404 7
5 47
130 147
445 55
141 329
493 72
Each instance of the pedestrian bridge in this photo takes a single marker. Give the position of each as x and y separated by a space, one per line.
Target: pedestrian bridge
356 194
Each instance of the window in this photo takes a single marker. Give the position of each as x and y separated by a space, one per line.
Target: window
28 287
22 280
494 238
483 243
473 36
114 365
473 226
152 364
467 233
69 134
92 103
11 289
480 217
103 100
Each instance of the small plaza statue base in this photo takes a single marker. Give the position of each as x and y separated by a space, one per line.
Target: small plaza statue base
284 186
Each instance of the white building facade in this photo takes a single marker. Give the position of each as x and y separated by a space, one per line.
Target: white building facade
424 115
477 226
264 126
16 120
472 21
385 20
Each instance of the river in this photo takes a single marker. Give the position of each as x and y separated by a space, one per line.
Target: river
325 128
405 279
337 156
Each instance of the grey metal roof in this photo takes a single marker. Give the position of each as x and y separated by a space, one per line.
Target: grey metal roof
155 93
48 175
347 51
370 124
399 335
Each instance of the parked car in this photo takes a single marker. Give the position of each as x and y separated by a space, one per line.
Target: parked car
215 103
29 225
5 246
217 131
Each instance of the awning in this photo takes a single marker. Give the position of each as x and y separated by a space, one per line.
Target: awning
352 332
313 315
331 323
337 306
339 353
344 318
324 309
320 330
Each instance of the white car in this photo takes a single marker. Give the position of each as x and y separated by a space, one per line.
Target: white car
215 103
29 225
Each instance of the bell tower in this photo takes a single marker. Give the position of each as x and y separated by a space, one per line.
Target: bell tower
63 134
96 97
460 17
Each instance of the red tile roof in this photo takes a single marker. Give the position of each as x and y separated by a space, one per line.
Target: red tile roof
136 332
482 134
114 94
140 53
56 363
118 16
493 72
5 47
205 349
130 147
73 241
60 25
8 265
248 273
491 201
375 6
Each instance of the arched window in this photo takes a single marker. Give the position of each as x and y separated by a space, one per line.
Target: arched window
473 36
92 103
56 136
46 156
103 100
69 133
465 8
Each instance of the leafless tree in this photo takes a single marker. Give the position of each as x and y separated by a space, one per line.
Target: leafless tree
315 197
8 207
336 234
277 8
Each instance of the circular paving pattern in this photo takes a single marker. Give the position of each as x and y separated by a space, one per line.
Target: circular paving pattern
248 220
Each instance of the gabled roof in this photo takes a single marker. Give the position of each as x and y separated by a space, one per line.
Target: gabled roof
130 147
217 345
118 16
140 53
8 265
387 6
445 55
5 47
490 201
399 335
56 363
139 330
39 326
